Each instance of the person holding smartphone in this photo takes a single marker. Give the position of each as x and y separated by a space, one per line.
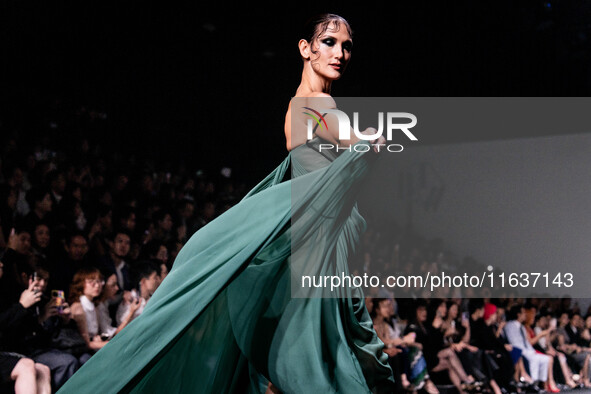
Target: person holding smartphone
27 375
31 333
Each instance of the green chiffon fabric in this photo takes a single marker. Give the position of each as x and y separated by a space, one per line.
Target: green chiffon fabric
224 320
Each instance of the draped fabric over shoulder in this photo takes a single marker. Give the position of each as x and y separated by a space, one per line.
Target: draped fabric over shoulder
224 319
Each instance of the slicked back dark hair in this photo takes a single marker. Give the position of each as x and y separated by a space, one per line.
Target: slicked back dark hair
318 24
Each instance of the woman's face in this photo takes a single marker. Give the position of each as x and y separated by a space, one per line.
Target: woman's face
93 287
442 310
452 313
563 319
331 52
421 314
130 222
162 254
492 319
45 204
530 316
25 243
42 236
163 271
111 287
385 308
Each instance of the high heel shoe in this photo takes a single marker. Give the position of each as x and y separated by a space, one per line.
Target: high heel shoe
472 386
552 389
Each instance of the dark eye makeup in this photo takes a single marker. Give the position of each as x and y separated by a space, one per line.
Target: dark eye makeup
347 45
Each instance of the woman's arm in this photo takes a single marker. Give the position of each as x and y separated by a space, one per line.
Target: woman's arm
133 307
80 319
535 339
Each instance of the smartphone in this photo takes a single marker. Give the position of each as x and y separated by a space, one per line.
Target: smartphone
465 316
553 323
60 299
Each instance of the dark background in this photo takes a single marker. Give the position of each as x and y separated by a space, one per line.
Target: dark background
168 76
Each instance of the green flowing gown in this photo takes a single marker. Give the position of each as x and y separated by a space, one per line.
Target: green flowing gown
224 319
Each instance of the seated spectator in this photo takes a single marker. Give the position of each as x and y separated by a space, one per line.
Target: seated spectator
545 335
114 260
27 375
40 241
586 333
473 359
162 220
85 291
56 180
148 280
186 217
76 249
40 202
100 231
453 327
438 357
126 218
404 354
516 334
156 251
18 252
568 342
497 358
110 291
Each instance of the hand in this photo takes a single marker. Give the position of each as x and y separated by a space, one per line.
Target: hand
30 296
49 310
508 347
135 304
392 351
409 338
375 142
379 143
149 233
66 312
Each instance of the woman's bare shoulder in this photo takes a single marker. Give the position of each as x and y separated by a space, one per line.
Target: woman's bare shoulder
76 308
316 100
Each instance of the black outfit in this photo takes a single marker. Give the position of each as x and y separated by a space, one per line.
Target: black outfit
497 362
431 339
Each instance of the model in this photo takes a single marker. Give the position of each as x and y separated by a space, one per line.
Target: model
224 319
